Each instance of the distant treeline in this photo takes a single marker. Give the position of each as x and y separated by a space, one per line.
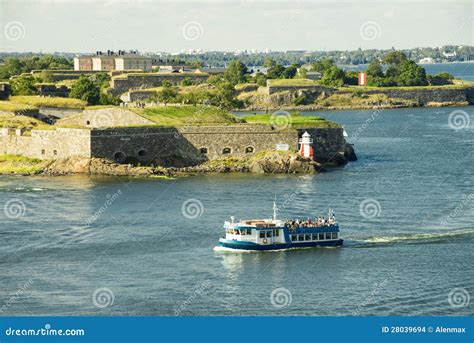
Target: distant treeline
448 53
18 65
355 57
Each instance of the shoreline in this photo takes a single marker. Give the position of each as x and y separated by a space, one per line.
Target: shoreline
271 162
346 108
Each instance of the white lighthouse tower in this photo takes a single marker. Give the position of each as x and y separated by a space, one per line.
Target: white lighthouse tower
306 148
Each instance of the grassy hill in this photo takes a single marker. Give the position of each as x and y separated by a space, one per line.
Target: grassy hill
294 120
38 101
187 115
22 122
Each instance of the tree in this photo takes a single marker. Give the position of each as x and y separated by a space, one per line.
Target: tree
186 82
290 72
167 94
276 72
85 89
235 72
269 63
351 78
102 79
394 58
194 64
261 79
440 79
214 79
333 77
24 86
411 74
302 73
322 65
16 66
375 69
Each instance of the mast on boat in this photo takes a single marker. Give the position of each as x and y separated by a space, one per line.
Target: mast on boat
275 208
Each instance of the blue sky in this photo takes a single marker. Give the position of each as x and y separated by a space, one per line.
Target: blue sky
172 26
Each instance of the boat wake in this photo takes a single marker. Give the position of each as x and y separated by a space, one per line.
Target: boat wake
413 237
224 249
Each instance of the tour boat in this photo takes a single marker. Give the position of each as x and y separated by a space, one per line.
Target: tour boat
275 234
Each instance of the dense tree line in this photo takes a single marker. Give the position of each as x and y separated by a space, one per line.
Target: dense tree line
18 65
447 53
93 90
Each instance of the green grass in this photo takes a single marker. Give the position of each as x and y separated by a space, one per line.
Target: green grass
457 85
98 107
18 158
290 121
15 164
352 100
187 115
246 87
12 107
57 102
22 122
292 82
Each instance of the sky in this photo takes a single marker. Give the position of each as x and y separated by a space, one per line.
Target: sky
230 25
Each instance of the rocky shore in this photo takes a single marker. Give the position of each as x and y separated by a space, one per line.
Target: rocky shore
269 162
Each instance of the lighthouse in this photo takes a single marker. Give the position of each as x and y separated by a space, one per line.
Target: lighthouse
306 148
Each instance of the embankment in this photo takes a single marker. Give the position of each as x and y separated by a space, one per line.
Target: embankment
317 97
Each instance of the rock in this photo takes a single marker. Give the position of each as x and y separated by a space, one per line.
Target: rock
349 152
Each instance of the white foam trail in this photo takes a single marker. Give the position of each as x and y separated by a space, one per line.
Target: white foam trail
224 249
416 236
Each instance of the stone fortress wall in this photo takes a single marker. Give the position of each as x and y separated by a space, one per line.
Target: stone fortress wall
164 145
123 83
46 144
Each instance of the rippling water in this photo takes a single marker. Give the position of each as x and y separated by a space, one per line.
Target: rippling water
82 245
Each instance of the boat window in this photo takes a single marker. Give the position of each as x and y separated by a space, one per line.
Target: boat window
314 236
300 238
276 233
334 235
242 232
226 151
294 238
237 232
262 234
269 233
328 235
321 236
249 232
307 237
